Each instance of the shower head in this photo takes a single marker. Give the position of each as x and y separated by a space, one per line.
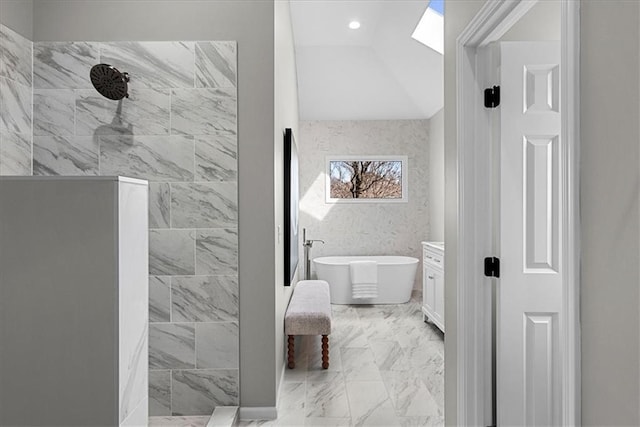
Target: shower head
110 82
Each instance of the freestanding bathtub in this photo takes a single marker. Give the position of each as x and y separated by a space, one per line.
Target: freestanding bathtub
396 275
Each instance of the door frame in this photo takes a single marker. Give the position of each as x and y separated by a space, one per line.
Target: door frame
473 334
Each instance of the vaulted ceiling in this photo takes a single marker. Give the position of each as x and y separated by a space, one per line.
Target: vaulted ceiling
376 72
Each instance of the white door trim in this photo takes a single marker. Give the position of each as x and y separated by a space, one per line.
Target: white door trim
474 240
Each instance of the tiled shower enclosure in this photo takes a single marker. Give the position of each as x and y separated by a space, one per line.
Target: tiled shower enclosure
178 130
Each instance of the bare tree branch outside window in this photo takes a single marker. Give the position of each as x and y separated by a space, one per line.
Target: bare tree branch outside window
367 179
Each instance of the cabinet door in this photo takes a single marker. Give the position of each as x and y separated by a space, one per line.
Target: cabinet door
438 285
429 296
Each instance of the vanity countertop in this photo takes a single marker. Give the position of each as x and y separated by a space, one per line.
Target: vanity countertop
435 245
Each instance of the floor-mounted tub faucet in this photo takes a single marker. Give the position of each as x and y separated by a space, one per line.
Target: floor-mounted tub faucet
308 244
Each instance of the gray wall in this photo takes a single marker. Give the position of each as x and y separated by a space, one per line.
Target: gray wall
610 173
436 177
18 15
251 24
609 208
286 116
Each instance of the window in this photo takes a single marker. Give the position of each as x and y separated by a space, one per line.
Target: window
366 179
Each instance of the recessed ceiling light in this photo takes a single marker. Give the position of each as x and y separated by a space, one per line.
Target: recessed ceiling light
354 25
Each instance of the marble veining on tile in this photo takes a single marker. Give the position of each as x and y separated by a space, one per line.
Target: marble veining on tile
15 153
54 112
144 112
218 345
159 205
64 65
159 393
65 155
134 389
15 106
409 394
153 64
203 111
171 252
198 392
216 64
16 56
217 157
172 346
379 383
153 158
178 421
204 298
212 205
327 399
217 251
370 404
159 298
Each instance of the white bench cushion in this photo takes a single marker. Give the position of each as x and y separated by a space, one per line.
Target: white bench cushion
309 311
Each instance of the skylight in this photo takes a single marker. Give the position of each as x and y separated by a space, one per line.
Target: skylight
430 29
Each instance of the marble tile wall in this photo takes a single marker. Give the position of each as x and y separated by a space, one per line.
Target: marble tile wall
367 228
178 130
16 88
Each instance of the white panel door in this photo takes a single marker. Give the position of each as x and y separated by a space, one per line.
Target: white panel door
529 293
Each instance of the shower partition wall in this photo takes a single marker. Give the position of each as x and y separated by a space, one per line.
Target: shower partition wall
178 130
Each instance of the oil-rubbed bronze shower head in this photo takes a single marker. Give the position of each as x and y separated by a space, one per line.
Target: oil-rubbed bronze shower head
110 82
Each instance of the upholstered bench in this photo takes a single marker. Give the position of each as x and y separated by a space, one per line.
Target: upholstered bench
309 313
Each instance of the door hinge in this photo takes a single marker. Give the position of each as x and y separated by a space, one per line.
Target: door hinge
492 267
492 97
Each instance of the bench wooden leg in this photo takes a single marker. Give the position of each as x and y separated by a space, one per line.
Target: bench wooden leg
325 352
291 354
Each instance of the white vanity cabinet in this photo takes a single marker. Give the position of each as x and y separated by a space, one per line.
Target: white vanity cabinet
433 283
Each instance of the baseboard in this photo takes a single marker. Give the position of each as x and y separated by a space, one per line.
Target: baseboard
259 413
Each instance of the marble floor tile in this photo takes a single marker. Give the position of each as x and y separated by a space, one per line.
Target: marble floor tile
370 404
348 334
328 422
178 421
409 394
430 421
292 396
327 399
381 383
358 364
389 356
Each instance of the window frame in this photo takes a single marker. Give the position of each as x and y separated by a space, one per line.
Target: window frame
390 158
